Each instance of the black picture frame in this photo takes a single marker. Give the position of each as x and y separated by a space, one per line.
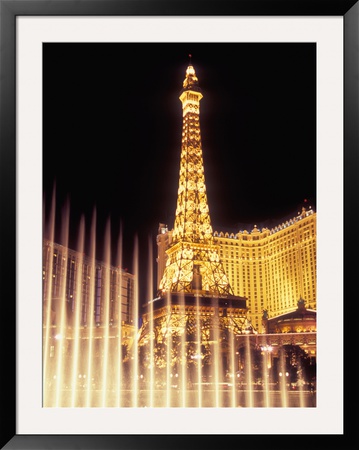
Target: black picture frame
10 9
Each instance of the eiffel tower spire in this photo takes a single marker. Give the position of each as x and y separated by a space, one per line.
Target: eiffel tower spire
193 264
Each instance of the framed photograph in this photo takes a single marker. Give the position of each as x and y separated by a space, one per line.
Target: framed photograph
99 110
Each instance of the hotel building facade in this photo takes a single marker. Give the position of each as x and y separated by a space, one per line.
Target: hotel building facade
271 267
69 274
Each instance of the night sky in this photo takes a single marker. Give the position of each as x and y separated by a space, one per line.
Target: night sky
113 124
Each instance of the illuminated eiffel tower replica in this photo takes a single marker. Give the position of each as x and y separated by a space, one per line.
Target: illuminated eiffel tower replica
195 301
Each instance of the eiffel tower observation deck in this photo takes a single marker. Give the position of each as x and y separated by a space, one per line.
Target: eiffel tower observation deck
194 292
